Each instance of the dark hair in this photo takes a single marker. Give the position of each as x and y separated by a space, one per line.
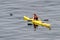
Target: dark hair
34 14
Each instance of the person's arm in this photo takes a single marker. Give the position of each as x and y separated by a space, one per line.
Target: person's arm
33 17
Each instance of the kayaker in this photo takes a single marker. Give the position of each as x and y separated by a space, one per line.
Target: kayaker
35 17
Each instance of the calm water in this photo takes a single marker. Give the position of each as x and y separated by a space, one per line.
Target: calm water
15 28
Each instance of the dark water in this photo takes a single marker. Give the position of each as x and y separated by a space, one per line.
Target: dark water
15 28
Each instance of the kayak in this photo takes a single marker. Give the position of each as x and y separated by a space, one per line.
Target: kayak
37 22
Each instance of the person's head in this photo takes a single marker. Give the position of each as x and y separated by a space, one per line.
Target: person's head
34 14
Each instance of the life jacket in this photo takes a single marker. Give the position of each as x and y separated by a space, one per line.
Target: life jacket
35 18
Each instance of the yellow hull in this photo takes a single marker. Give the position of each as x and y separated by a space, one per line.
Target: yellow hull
37 22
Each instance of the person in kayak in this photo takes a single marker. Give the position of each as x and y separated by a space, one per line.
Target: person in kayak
35 17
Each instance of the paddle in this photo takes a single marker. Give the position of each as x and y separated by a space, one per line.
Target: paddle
46 20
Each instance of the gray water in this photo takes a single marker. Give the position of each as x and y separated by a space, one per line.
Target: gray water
15 28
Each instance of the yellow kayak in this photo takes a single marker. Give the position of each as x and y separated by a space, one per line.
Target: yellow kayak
37 22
